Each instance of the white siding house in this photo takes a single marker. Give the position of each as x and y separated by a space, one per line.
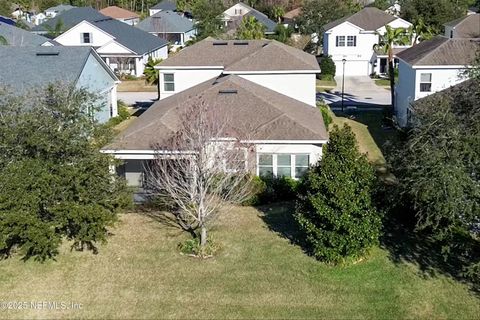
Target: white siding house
429 67
124 48
353 39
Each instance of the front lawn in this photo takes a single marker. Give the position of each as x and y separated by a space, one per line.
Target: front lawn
325 85
257 273
382 82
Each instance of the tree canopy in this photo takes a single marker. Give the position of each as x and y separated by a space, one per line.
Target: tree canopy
208 14
250 29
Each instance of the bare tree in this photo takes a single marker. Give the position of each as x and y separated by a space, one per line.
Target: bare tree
203 168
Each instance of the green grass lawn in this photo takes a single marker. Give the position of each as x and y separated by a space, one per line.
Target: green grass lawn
324 85
257 273
382 82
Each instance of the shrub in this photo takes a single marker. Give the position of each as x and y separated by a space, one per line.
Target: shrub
326 115
192 247
258 188
123 114
335 208
327 66
327 77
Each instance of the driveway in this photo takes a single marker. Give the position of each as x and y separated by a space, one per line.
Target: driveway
138 100
359 91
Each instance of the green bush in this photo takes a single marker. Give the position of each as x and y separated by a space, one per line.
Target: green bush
335 208
123 114
258 188
326 115
327 66
192 247
327 77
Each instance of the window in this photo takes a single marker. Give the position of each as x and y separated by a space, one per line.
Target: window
168 82
265 165
235 160
351 41
86 37
425 82
451 33
340 41
283 165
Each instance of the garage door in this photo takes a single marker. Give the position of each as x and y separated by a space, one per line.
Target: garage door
353 68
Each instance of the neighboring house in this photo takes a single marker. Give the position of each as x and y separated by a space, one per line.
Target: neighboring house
121 14
289 18
429 67
124 48
52 12
285 136
169 26
163 6
353 39
39 18
68 18
395 9
269 63
234 15
464 27
18 37
24 69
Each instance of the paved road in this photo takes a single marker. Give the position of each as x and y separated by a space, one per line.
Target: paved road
138 99
359 91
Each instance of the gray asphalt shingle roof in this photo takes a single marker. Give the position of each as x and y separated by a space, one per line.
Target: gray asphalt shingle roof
137 40
165 5
166 21
60 8
244 55
263 19
263 113
441 51
24 68
70 18
369 19
466 27
18 37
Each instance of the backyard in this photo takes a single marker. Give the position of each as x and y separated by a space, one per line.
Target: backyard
258 273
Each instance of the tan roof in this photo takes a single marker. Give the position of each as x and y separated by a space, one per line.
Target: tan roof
441 51
369 19
293 13
243 55
118 13
263 113
466 27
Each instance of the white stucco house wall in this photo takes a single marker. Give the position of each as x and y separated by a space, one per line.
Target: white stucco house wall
124 48
429 67
268 86
353 38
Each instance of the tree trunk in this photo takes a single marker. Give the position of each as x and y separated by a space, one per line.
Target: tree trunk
203 237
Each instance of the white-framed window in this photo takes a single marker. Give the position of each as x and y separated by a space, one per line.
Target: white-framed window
282 165
86 37
425 82
168 82
351 41
340 41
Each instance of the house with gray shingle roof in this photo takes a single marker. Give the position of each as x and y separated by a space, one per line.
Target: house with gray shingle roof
464 27
169 26
68 18
24 69
18 37
163 5
264 87
53 11
429 67
353 38
125 48
234 15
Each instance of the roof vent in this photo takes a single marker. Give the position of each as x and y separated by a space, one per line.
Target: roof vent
228 91
242 43
56 53
220 43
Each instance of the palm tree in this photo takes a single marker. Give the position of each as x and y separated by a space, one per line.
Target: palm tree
55 31
277 13
151 74
3 41
392 37
420 31
250 29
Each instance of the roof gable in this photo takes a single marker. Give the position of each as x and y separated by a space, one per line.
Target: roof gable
368 19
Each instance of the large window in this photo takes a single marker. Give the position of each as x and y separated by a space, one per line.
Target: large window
351 41
168 82
340 41
86 37
283 165
425 82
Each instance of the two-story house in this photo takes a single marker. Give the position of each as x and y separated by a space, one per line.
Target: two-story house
429 67
170 26
351 40
34 67
267 89
124 48
233 16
